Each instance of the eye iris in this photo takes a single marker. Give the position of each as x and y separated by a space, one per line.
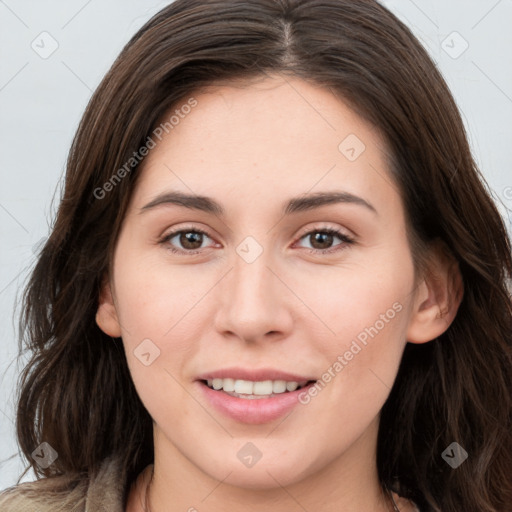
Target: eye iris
323 238
191 237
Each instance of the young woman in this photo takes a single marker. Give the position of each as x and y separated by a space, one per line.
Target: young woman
276 280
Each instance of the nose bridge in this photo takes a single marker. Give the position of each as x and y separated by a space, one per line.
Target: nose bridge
252 301
251 280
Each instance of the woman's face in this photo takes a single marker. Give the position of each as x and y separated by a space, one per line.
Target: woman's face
269 293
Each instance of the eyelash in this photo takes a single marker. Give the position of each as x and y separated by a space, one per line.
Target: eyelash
342 236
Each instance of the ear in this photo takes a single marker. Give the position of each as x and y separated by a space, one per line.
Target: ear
438 296
106 315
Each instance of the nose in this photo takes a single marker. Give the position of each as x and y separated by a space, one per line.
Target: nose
254 304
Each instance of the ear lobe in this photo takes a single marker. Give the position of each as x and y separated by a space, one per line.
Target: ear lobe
438 297
106 315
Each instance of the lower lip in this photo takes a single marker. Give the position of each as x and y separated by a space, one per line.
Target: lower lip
255 411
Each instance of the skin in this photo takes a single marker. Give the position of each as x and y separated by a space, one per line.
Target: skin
252 148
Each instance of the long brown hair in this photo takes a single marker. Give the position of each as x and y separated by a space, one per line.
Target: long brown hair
76 392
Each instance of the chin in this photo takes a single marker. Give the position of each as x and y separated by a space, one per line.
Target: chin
263 479
264 475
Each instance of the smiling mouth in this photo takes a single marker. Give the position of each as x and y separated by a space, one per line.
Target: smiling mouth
255 390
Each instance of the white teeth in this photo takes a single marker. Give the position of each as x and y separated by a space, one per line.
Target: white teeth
279 386
244 387
228 385
260 388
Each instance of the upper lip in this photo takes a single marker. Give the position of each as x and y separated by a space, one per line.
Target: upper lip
255 375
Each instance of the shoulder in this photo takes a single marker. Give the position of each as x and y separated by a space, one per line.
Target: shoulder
69 493
47 494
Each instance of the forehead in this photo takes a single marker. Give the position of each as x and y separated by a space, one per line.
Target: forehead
278 137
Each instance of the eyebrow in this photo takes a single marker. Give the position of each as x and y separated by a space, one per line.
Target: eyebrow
294 205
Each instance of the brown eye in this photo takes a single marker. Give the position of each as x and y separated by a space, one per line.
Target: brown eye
321 240
191 239
185 241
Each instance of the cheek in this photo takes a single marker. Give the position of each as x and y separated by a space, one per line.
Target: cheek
357 302
156 299
366 309
155 304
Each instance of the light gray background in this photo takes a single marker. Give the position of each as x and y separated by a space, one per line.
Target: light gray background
42 100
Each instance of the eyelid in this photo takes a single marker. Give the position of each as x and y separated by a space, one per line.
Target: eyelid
323 226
